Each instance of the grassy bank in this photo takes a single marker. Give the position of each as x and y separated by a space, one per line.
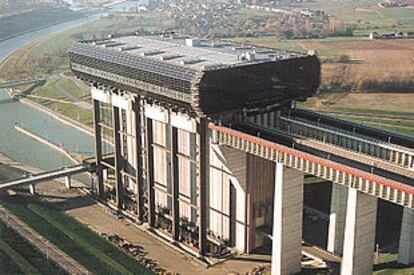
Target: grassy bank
86 247
17 256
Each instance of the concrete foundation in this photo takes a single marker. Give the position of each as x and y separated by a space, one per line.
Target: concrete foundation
32 189
337 219
406 248
359 238
287 221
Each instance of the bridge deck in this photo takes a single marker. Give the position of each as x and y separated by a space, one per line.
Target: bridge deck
336 169
393 147
354 141
50 175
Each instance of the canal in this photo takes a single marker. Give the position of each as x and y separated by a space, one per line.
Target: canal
18 146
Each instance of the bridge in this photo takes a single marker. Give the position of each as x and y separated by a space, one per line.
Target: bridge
64 172
374 162
322 162
18 83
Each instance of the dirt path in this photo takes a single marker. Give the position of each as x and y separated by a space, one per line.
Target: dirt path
72 98
52 252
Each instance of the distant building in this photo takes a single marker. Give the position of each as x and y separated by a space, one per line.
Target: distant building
374 35
396 35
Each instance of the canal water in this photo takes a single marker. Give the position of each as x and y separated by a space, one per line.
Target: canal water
18 146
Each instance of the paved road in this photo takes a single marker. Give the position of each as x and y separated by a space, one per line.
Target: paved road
54 253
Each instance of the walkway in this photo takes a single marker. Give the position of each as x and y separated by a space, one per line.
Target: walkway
83 209
52 252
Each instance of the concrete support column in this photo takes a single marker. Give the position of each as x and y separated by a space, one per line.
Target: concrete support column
175 184
68 182
287 221
337 219
359 238
406 248
32 189
98 148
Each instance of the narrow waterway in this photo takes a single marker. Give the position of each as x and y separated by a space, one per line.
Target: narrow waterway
18 146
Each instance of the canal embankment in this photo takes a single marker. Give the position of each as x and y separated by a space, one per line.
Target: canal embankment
50 144
58 116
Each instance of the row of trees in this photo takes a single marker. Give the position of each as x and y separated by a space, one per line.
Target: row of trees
284 26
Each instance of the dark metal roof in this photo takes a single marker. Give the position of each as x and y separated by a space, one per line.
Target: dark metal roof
133 61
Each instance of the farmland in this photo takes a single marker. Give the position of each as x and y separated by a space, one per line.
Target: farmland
356 65
366 15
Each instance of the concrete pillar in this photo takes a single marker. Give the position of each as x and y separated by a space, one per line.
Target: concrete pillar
32 189
337 219
359 238
287 221
406 248
68 182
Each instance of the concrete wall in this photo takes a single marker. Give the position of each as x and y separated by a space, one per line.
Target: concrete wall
227 167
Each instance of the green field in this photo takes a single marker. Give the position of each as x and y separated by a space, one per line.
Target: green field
366 15
17 256
93 252
67 91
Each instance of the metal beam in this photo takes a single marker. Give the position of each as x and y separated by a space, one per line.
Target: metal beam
118 157
175 184
204 181
139 157
98 147
150 174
